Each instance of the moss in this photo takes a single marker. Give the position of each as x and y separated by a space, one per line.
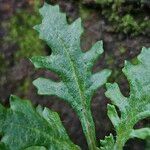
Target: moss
122 49
84 12
134 61
103 1
147 144
109 60
2 64
24 87
22 34
128 23
125 17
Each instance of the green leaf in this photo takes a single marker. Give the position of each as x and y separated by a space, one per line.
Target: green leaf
107 143
36 148
113 115
2 117
104 2
143 133
136 106
77 83
2 146
27 128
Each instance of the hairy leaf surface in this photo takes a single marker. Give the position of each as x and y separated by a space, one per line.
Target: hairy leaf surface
74 67
23 127
136 106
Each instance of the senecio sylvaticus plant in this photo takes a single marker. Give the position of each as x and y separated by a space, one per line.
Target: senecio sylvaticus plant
24 127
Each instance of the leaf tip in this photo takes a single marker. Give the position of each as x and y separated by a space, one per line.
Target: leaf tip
13 98
32 60
108 85
127 65
36 27
99 45
35 61
144 55
108 72
35 82
47 7
37 85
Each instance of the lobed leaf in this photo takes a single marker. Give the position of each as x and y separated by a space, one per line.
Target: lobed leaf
136 106
143 133
67 60
107 143
74 67
23 127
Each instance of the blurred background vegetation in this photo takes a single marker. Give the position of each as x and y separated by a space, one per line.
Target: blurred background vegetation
123 25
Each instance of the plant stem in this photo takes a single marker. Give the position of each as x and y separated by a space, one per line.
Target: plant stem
88 129
123 136
119 145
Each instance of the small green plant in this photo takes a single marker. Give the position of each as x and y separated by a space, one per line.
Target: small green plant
23 127
21 33
3 64
122 18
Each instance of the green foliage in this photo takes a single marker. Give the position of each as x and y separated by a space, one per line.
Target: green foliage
73 67
25 85
107 143
104 1
135 107
21 33
147 144
84 12
122 18
129 24
3 64
24 128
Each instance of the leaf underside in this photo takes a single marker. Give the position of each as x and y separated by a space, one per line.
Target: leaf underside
135 107
24 128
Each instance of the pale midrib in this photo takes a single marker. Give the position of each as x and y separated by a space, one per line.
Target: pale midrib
81 93
66 47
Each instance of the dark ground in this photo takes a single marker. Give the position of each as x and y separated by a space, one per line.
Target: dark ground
118 47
